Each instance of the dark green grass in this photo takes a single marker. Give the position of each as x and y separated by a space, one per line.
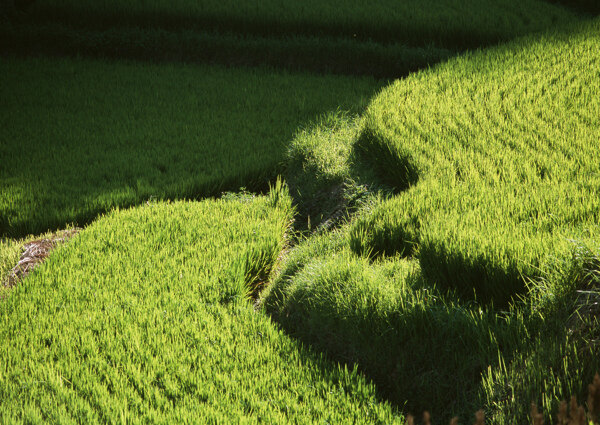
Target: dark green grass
583 6
323 55
144 317
563 354
520 130
81 136
497 154
383 39
423 352
445 23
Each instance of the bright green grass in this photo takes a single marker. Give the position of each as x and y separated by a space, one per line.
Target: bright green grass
10 250
426 351
80 136
415 22
144 317
498 153
422 352
423 347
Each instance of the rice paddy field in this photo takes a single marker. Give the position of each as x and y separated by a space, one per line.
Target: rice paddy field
385 39
467 23
314 212
119 134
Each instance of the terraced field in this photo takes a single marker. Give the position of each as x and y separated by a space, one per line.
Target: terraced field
151 323
433 242
84 136
498 156
488 231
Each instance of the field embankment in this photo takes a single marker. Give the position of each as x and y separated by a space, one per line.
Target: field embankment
496 157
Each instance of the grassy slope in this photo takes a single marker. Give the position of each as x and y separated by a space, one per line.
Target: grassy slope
498 151
425 350
383 39
403 332
422 351
80 136
421 345
144 317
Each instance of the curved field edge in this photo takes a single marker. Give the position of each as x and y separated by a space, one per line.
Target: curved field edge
144 316
425 350
383 40
101 134
495 154
418 339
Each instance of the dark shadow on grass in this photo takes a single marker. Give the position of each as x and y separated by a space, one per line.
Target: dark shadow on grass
391 166
421 357
379 44
309 53
472 278
81 208
582 6
379 26
118 134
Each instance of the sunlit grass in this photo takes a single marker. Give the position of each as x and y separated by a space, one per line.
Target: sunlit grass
80 137
144 316
149 314
497 153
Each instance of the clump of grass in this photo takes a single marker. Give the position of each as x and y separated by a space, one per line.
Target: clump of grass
422 350
568 414
562 354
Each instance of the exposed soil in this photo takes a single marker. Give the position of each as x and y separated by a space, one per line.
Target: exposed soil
34 254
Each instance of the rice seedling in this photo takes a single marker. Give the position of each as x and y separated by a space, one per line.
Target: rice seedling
150 314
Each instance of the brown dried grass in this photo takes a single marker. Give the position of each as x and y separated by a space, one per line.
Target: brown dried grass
568 413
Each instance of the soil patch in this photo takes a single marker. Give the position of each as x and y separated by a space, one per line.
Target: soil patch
34 254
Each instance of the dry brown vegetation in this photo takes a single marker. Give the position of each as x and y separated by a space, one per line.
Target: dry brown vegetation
568 413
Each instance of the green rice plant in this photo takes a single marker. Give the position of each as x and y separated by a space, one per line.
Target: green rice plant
323 55
144 317
384 39
422 350
467 24
495 155
319 168
80 137
562 355
426 351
